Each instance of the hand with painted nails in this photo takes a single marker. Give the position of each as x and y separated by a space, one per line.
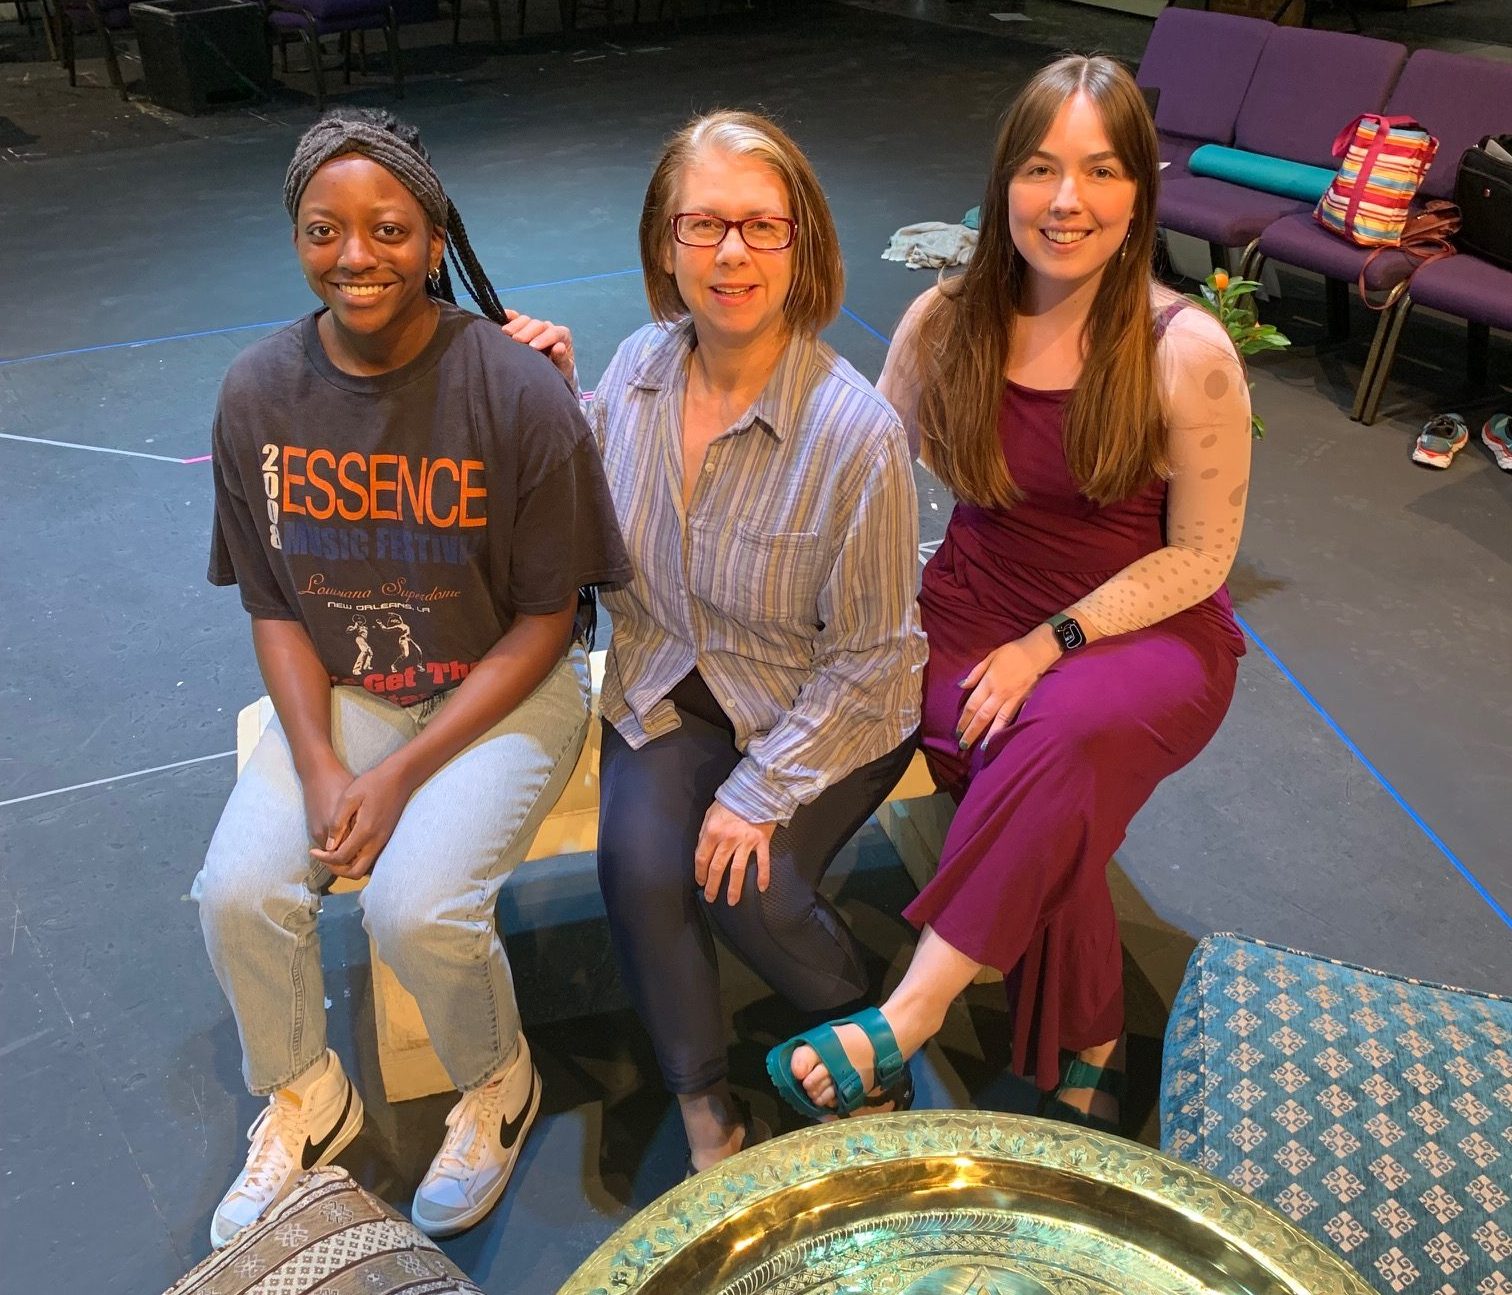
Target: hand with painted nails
999 683
728 842
554 341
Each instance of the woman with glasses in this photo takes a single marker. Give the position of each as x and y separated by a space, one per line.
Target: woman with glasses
763 683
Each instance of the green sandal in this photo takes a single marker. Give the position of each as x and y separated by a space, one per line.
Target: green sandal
850 1093
1082 1074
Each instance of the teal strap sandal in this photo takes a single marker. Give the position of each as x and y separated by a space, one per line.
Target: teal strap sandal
850 1092
1082 1074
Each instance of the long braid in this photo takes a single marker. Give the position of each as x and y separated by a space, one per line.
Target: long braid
469 269
475 280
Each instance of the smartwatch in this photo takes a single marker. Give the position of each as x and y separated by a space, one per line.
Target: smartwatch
1067 632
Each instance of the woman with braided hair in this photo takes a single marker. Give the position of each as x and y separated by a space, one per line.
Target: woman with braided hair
394 460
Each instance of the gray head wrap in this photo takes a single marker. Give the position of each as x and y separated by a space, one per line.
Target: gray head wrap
332 136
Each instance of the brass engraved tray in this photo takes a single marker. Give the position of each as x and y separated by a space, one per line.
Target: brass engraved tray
958 1203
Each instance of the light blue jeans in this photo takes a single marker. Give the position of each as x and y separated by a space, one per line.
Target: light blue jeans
429 904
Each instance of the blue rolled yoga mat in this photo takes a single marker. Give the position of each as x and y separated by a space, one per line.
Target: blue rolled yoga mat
1257 171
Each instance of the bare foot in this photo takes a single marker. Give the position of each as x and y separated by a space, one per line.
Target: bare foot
714 1124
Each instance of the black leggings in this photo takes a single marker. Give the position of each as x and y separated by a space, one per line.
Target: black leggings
652 804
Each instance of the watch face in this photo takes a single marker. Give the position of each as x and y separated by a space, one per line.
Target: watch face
1070 634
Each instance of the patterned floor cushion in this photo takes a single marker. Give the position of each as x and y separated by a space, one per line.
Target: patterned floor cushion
327 1237
1373 1110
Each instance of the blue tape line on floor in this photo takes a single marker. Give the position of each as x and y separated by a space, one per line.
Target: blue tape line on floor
879 335
1475 882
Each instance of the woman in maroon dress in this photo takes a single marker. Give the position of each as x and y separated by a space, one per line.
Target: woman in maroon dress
1082 645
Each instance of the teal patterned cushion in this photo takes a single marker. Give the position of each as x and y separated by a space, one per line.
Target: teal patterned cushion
1374 1111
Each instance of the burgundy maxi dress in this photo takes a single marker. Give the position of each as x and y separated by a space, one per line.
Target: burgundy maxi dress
1022 883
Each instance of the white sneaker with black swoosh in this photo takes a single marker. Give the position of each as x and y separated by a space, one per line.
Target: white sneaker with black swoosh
484 1134
293 1133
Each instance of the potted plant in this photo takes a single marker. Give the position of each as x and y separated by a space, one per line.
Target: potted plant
1225 298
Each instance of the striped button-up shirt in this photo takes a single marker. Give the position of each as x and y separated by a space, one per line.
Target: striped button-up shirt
789 580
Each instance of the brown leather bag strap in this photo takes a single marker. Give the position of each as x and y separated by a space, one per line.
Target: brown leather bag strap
1425 239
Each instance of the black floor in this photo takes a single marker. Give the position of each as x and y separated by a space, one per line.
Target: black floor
1354 803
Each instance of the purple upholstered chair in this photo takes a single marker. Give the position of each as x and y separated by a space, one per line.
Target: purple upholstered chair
1458 99
1465 286
1307 86
312 19
1201 64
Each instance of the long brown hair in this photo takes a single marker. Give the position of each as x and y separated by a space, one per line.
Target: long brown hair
1114 430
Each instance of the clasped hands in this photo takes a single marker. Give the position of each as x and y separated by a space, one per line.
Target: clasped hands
351 819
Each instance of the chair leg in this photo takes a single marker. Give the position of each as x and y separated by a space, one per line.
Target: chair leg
1218 256
498 20
456 22
391 36
344 44
51 32
312 47
283 54
111 65
1336 308
522 18
362 53
1252 262
1382 371
1377 344
1477 352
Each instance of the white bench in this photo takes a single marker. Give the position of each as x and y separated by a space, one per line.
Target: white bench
914 819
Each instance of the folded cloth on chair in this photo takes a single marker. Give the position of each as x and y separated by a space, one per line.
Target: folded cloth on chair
1257 171
327 1237
931 244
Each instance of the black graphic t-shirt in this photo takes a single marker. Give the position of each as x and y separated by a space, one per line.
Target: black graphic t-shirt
406 519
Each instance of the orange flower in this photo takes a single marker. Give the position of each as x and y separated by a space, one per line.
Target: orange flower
1220 279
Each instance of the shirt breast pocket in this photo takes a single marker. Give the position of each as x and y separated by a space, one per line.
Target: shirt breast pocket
764 580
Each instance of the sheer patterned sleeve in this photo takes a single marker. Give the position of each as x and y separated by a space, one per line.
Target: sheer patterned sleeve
899 383
1208 408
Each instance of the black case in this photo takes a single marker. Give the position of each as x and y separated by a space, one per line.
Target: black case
198 55
1483 193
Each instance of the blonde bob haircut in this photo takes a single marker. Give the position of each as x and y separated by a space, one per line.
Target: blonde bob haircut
818 286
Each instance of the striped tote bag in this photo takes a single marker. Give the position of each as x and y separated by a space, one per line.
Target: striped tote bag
1385 159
